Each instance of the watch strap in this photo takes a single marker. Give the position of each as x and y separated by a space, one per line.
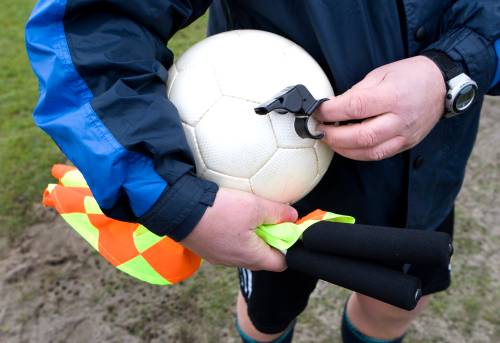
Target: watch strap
448 67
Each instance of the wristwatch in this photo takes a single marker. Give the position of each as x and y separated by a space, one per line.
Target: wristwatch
461 90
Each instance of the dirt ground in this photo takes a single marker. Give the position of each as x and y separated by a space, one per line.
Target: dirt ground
53 288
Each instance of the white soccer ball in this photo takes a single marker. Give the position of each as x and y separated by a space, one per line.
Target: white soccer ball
216 84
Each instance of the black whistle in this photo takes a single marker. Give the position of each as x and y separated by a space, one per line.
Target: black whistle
299 101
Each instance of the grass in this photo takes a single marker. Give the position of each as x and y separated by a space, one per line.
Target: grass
26 153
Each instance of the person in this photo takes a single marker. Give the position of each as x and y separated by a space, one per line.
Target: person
102 67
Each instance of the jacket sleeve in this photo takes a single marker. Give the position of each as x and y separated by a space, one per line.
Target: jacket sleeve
469 31
495 84
102 67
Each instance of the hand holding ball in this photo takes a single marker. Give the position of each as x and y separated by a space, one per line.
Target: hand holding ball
215 86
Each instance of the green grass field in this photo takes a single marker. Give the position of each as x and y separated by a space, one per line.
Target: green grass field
26 153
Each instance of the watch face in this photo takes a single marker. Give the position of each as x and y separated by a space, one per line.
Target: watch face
465 97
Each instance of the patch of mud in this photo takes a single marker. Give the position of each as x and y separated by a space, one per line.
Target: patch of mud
55 289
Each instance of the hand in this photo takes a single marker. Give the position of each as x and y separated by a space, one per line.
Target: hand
399 103
226 232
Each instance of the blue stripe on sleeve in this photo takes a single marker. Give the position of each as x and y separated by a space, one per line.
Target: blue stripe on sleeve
496 78
64 111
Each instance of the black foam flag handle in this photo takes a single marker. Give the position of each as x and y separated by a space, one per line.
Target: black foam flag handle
380 244
376 281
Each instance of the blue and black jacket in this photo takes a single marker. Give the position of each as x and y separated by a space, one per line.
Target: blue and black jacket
102 67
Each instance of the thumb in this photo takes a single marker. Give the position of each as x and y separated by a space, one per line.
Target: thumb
357 103
274 212
269 259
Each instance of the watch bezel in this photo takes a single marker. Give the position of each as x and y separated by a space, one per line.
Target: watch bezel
455 87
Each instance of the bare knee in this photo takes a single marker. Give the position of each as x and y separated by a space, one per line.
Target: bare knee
375 308
380 320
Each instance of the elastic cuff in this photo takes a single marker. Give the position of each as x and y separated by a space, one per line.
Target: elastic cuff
285 337
180 207
473 50
268 329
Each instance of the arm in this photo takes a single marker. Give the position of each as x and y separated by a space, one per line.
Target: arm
470 29
401 102
102 67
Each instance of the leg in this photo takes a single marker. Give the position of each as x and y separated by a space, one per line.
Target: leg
380 320
268 303
246 324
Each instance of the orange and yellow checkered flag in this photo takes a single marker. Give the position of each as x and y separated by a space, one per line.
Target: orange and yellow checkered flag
130 247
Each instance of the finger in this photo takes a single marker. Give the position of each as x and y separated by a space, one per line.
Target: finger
269 259
379 152
272 212
368 133
357 103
